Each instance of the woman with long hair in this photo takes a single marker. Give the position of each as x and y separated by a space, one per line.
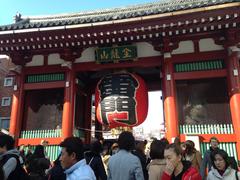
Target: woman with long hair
192 155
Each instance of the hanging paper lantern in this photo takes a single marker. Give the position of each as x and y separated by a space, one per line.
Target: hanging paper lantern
121 99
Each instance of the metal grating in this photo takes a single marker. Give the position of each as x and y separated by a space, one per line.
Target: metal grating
206 129
199 66
45 78
51 133
229 147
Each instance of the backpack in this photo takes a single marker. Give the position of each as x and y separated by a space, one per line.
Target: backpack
19 173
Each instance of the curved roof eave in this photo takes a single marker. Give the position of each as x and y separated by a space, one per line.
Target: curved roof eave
109 15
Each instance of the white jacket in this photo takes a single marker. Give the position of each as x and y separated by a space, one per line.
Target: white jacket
229 174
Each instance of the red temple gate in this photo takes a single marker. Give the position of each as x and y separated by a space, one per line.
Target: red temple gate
181 48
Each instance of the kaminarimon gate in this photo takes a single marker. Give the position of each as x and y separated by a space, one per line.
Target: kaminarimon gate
187 49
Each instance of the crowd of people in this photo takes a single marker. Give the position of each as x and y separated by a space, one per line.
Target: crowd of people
126 159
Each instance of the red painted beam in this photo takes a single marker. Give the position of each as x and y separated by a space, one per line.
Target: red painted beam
201 56
141 62
37 141
200 74
44 69
154 61
206 137
45 85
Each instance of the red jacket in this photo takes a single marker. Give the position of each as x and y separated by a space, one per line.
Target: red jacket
190 174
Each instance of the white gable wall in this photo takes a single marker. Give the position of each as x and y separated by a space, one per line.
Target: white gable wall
88 55
184 47
145 49
37 60
54 59
208 44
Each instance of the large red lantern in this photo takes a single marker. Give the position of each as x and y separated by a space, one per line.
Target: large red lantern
121 99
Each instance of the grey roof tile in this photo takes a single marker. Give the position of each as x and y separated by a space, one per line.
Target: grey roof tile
111 14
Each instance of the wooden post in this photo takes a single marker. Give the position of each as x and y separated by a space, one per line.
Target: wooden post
234 91
14 113
67 118
169 93
17 107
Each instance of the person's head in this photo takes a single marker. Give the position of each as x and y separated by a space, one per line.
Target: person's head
6 143
220 159
39 151
141 146
189 147
126 141
72 151
157 149
96 147
214 142
29 151
114 148
164 140
100 139
183 146
173 154
177 141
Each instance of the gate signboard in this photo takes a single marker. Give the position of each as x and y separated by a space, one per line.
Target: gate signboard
116 54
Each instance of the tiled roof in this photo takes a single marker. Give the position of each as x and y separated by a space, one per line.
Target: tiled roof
159 7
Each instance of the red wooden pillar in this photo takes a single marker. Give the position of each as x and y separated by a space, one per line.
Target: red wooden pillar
14 113
169 93
68 111
17 107
234 91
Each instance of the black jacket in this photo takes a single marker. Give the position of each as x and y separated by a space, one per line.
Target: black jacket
57 172
143 159
95 161
36 167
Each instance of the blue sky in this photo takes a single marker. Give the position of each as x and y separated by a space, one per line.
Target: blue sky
9 8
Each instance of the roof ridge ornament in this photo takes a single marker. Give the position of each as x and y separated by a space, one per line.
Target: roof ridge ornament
18 17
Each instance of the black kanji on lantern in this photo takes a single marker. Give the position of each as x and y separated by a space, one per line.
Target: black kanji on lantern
118 103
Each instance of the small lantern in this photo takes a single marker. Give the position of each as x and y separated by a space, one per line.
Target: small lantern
121 100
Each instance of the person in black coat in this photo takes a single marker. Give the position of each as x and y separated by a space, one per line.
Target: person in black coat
94 159
140 153
57 172
37 164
